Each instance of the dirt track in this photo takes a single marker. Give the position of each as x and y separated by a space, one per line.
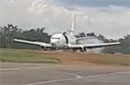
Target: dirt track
88 58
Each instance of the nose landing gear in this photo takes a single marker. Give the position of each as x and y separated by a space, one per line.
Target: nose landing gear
83 49
80 49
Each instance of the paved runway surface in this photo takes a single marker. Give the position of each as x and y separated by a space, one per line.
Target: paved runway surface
50 74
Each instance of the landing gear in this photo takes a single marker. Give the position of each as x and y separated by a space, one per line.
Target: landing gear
74 50
80 49
83 49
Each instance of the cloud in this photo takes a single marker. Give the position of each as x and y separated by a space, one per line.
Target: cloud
111 21
94 3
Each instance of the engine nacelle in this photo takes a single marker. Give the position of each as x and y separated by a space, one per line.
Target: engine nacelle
43 48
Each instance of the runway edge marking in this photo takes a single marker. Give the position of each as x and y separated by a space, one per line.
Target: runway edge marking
23 68
77 77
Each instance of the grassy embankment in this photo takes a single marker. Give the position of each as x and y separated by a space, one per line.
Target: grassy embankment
106 59
28 56
36 56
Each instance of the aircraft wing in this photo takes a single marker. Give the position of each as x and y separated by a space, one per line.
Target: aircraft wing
33 42
93 45
102 45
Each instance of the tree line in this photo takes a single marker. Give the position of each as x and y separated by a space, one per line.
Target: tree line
10 32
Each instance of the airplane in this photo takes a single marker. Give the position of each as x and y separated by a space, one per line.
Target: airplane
67 40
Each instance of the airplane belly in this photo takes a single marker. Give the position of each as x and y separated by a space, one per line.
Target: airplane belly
58 45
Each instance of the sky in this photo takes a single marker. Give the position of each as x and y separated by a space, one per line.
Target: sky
110 18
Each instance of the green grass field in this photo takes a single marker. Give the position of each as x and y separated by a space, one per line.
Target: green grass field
37 56
14 55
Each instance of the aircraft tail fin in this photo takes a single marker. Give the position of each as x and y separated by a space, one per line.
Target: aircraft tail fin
73 24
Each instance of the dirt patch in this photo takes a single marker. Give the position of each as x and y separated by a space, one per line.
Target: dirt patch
90 58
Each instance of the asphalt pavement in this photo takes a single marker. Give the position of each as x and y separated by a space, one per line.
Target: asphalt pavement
54 74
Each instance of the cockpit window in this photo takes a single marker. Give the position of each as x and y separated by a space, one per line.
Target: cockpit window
55 38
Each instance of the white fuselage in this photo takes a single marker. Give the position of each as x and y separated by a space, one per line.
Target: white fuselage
60 40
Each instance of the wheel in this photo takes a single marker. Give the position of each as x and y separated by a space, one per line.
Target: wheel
82 49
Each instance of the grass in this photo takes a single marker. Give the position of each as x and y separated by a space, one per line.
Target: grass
36 56
14 55
103 59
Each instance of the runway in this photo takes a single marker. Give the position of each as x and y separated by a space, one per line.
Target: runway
54 74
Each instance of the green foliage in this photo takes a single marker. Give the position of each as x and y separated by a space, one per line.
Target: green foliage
124 47
11 55
10 32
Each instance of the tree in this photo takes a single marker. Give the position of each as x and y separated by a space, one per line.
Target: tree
6 34
10 32
124 47
101 37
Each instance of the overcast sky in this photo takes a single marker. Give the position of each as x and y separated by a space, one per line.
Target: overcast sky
108 17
